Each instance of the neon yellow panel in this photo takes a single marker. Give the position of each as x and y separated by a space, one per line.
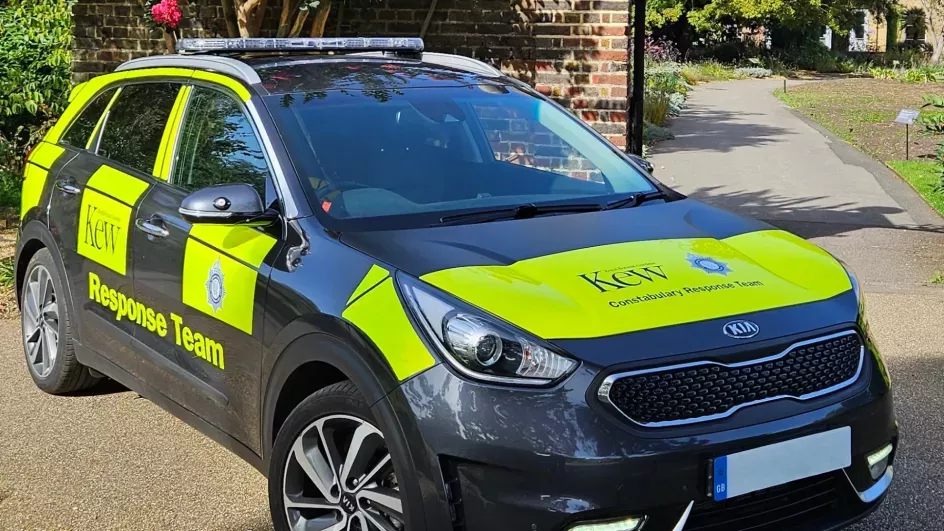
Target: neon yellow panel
46 154
225 81
381 316
371 279
34 180
104 230
619 288
218 285
246 243
162 162
118 184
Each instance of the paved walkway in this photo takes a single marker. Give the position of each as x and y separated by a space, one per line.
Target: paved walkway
739 148
743 148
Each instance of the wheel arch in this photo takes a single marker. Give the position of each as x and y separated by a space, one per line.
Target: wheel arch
35 236
314 352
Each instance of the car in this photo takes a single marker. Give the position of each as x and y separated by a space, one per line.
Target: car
417 294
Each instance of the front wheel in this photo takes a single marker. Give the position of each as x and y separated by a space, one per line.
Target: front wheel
47 329
331 469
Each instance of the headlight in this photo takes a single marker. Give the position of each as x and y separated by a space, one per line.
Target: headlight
479 345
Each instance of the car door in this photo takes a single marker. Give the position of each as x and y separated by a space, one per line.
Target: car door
209 280
116 139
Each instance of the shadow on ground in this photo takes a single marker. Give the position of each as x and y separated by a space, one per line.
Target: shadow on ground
703 128
810 217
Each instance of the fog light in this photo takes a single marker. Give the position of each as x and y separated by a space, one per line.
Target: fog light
625 524
878 461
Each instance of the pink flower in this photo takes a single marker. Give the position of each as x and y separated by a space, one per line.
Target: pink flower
166 13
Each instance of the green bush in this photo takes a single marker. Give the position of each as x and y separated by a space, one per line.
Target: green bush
652 133
35 72
703 71
655 109
753 71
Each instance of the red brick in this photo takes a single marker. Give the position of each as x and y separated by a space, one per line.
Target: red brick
608 79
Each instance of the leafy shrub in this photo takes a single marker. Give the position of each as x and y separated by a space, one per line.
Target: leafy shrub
707 71
655 109
883 73
753 71
676 103
665 78
936 102
922 74
652 133
35 61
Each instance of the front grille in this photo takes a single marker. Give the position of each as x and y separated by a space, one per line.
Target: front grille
774 509
703 391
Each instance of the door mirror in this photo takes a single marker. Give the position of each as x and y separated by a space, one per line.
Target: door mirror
643 162
225 203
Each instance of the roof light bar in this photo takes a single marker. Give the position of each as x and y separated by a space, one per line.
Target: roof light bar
360 44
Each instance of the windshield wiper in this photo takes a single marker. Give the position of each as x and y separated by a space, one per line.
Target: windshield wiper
634 199
525 211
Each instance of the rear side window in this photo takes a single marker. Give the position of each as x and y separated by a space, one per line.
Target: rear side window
82 127
218 145
135 124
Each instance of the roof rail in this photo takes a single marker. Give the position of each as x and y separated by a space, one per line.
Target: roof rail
224 65
347 44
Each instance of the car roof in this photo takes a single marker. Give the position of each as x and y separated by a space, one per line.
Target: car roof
280 74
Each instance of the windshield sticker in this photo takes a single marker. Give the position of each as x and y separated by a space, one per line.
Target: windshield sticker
155 322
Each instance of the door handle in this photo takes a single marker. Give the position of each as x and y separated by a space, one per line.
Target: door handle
67 186
149 227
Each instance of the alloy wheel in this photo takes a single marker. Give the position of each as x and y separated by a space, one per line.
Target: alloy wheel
339 477
40 322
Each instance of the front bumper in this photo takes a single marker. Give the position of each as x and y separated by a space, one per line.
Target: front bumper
499 458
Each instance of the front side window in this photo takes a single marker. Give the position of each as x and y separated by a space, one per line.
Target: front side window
415 156
83 126
218 145
135 124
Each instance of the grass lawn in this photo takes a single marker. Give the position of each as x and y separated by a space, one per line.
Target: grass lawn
924 176
861 112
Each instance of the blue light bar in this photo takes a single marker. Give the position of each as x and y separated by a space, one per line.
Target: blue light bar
359 44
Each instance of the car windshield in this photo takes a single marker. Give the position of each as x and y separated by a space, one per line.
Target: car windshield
380 159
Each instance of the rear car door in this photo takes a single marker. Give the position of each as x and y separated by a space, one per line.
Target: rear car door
116 139
209 280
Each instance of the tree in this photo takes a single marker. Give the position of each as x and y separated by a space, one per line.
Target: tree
934 34
245 18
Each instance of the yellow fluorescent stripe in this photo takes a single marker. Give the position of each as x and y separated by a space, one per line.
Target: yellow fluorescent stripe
101 119
118 184
166 149
227 82
46 154
381 316
236 285
93 86
34 180
103 231
242 242
633 286
77 89
371 279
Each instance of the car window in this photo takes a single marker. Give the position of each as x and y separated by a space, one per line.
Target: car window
421 154
515 139
218 145
135 124
83 126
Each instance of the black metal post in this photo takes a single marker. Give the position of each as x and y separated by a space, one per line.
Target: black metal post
629 78
907 142
639 75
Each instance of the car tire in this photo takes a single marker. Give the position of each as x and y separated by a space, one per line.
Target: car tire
336 418
47 329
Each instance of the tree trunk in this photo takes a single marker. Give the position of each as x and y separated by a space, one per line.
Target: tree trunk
171 40
299 24
285 21
229 15
258 17
937 46
321 18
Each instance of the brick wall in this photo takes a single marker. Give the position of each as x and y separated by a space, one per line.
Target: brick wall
572 50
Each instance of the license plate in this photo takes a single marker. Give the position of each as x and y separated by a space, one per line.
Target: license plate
783 462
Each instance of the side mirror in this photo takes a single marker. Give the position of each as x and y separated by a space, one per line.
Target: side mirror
643 162
225 203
